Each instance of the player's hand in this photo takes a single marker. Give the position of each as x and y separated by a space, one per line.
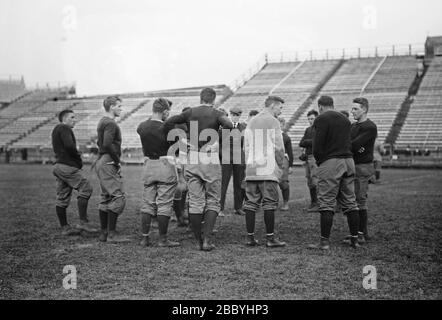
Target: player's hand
184 141
214 147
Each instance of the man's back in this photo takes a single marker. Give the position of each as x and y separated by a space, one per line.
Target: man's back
205 116
109 138
331 138
264 161
153 138
64 146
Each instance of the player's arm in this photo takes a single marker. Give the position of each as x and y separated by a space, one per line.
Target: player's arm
248 139
305 143
69 144
382 149
289 150
363 138
225 121
176 119
108 138
279 145
319 136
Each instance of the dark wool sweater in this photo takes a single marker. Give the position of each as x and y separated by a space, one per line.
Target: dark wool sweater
109 138
153 138
363 136
331 136
65 146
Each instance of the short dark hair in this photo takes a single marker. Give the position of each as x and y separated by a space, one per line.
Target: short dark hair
362 101
314 112
325 101
272 99
160 105
207 95
63 113
110 101
345 113
253 113
185 109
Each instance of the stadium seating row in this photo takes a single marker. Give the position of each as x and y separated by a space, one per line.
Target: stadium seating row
422 127
27 113
385 82
89 111
11 90
395 74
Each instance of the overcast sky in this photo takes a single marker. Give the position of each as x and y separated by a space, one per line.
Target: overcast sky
141 45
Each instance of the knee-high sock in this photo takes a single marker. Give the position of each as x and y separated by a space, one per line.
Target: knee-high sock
250 221
177 208
286 194
209 222
103 219
183 202
61 214
269 220
378 175
112 220
195 222
146 220
326 223
313 195
163 223
82 208
353 222
363 219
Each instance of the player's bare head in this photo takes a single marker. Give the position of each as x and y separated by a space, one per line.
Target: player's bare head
185 109
253 113
274 104
325 102
208 96
359 109
67 117
161 107
112 104
313 113
311 116
362 102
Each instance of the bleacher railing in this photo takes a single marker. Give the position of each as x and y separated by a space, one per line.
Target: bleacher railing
246 76
346 53
49 86
13 78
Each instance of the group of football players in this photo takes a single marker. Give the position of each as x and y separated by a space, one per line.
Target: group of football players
192 156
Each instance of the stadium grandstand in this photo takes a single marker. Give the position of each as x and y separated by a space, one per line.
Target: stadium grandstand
423 126
403 86
11 90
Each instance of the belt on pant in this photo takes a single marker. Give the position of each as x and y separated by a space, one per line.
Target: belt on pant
171 160
159 158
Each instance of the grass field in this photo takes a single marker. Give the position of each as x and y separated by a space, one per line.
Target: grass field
405 222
